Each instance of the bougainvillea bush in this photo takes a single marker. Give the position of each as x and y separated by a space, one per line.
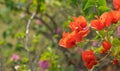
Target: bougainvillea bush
102 24
60 35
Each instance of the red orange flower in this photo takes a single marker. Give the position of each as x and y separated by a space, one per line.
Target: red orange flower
79 31
96 24
81 34
116 4
78 23
115 61
67 40
89 58
106 19
115 15
106 46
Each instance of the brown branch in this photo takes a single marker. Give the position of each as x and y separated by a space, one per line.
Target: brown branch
26 41
39 18
1 60
44 23
104 57
51 18
46 34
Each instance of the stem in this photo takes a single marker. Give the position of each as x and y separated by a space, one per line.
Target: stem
36 17
51 18
104 57
0 61
100 35
44 23
0 65
26 41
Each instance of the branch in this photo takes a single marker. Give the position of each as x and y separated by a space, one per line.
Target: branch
46 34
1 60
104 57
51 18
26 41
44 23
36 17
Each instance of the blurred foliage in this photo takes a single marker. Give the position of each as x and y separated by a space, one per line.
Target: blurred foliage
52 18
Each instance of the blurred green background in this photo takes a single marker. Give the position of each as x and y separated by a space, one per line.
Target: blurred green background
51 19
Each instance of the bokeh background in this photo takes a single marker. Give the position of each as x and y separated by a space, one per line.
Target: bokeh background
51 19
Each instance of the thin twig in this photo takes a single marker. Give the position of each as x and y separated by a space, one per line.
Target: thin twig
104 57
26 42
44 23
39 18
0 61
51 18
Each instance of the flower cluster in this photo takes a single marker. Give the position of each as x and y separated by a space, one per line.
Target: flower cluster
116 4
79 30
106 46
105 20
89 58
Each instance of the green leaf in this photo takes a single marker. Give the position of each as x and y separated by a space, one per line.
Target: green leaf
116 51
10 4
88 7
25 60
41 5
73 2
116 42
102 6
84 3
101 2
87 4
92 15
2 42
103 9
19 46
20 35
98 50
5 34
